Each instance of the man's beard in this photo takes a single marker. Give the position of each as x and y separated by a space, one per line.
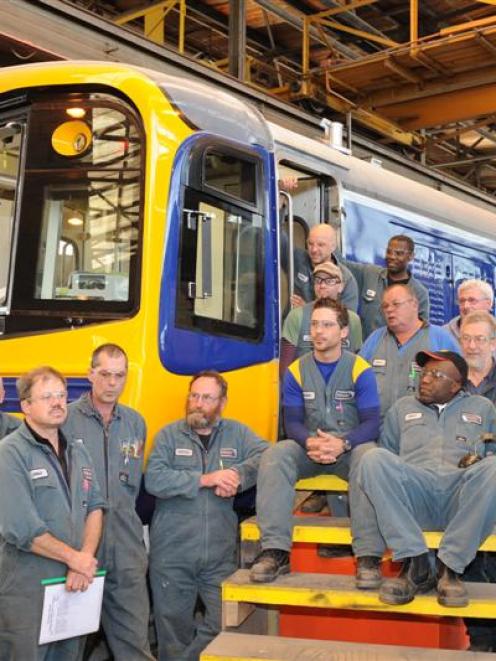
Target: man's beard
200 420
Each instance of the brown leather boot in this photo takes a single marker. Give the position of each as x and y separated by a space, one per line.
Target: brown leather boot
415 576
451 591
368 572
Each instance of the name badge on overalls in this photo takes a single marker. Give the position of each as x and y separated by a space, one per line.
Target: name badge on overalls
302 277
370 295
308 395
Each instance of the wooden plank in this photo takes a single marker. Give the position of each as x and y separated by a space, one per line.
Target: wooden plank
234 613
331 591
333 530
243 647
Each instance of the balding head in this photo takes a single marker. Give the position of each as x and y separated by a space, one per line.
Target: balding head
321 243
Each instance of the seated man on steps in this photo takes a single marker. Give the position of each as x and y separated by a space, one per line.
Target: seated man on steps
331 411
433 471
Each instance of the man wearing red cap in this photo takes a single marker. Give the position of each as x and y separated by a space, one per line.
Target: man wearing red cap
433 470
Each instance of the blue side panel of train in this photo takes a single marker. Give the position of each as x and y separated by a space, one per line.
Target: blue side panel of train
442 259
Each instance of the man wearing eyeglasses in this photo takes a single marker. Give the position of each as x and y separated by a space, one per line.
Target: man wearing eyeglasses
331 417
472 295
391 349
432 471
321 247
196 467
114 435
373 280
50 516
478 343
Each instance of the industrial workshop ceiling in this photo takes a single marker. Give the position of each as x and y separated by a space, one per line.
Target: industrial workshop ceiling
416 75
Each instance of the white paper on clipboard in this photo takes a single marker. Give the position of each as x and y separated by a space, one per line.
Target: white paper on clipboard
69 614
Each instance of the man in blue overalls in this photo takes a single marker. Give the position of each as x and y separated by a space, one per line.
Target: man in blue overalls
50 517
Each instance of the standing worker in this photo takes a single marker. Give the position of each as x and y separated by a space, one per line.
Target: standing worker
195 469
8 423
50 517
114 435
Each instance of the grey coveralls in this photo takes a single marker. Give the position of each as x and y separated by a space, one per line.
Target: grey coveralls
8 423
395 368
330 408
303 280
117 453
372 281
413 482
193 532
36 499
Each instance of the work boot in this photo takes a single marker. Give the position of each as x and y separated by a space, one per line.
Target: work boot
451 591
415 576
314 503
368 572
268 565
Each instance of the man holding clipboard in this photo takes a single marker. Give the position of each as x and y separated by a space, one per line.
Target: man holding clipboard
50 517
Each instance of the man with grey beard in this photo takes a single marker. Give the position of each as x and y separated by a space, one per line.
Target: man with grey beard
195 469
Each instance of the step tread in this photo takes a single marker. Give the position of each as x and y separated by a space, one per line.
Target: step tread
336 591
322 483
275 648
335 530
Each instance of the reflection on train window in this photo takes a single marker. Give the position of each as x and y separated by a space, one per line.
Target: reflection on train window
231 174
221 288
10 145
81 207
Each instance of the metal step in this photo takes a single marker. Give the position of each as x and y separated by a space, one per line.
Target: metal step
250 647
332 530
332 591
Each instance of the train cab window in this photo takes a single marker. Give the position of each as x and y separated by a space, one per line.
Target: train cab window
80 209
10 144
222 247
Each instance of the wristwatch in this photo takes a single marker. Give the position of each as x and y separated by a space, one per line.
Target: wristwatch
346 445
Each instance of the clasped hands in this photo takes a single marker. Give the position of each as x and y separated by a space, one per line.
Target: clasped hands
225 482
324 447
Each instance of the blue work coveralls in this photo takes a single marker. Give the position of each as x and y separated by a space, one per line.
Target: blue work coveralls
413 482
117 454
193 532
36 499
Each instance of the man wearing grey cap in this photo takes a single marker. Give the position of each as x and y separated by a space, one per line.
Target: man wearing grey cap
433 470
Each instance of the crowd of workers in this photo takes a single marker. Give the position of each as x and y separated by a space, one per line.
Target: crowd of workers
408 421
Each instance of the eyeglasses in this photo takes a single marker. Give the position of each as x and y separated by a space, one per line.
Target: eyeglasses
199 397
397 252
471 300
108 374
437 375
327 281
47 396
394 305
478 340
315 323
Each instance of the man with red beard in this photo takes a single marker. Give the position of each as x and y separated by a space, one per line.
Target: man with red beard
195 469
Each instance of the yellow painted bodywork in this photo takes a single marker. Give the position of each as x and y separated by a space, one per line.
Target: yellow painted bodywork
155 392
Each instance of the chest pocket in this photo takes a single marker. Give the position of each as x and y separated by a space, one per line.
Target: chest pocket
130 472
414 436
228 457
45 486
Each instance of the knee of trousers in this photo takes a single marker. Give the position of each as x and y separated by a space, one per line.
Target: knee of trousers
374 463
282 455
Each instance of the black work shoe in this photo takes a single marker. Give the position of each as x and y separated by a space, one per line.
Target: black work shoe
314 503
334 551
415 576
268 565
481 647
451 591
368 572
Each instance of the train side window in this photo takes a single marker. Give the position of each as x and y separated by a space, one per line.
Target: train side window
222 251
10 153
79 234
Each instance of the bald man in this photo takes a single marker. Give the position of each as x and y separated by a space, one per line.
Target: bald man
321 246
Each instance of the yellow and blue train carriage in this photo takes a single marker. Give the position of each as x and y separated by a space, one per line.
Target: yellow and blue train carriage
139 209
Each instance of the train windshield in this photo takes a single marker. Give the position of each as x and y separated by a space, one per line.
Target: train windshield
75 163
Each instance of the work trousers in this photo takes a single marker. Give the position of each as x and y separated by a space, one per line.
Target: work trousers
408 499
176 587
281 467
